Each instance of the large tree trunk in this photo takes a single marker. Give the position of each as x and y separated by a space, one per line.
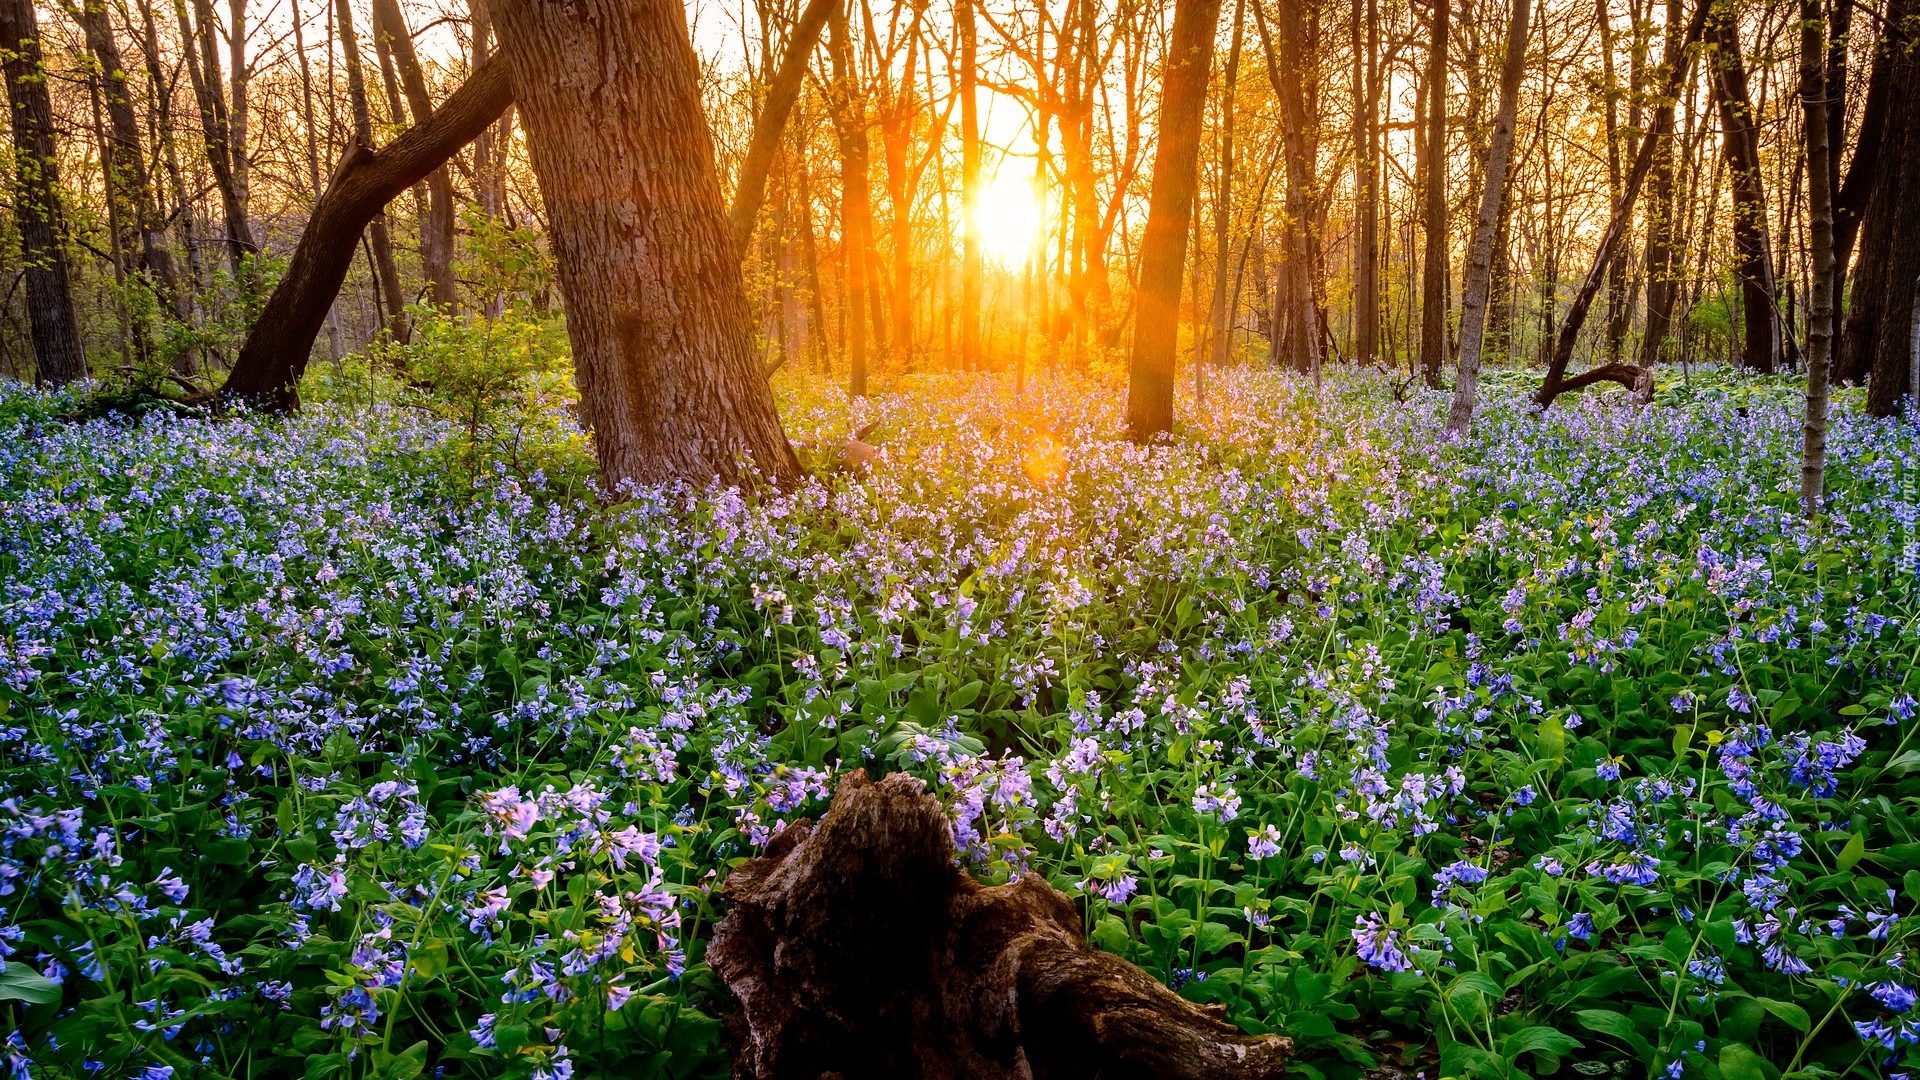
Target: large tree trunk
1163 247
1433 275
1851 195
1888 121
856 948
274 357
1884 292
1476 290
1753 261
670 382
436 231
1815 84
58 355
768 127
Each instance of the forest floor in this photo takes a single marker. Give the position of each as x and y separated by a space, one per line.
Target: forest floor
370 742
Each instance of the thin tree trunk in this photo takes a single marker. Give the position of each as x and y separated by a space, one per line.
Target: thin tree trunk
856 197
1163 255
1753 263
385 271
1223 198
1433 276
1639 380
969 78
1814 87
58 355
1662 259
1366 179
126 159
768 127
436 229
203 71
656 310
1301 340
241 82
1475 291
158 87
275 355
1618 312
334 349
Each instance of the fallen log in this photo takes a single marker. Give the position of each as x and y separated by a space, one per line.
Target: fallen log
857 948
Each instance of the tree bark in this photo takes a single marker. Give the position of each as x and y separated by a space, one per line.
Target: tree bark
1814 87
1884 289
1163 247
768 127
436 231
670 382
1662 282
1298 338
1866 204
203 71
386 274
1753 262
275 355
1433 275
58 356
1476 289
970 269
1366 179
857 948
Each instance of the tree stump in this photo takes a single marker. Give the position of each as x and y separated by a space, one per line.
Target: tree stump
857 948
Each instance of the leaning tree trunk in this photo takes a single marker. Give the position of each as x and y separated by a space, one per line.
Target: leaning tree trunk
857 948
670 382
1478 287
1637 379
1163 248
58 355
751 190
268 370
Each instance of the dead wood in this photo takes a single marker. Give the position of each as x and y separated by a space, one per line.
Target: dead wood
857 947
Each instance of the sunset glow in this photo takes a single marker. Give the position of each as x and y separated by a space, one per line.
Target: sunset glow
1009 217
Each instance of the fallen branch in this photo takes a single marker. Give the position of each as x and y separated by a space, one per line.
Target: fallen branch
857 946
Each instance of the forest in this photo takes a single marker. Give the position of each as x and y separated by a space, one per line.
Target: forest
1351 539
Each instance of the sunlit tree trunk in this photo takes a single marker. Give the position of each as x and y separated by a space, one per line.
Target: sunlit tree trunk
1476 289
1662 283
969 78
856 197
58 355
1366 179
782 91
670 382
1163 255
1223 199
1433 276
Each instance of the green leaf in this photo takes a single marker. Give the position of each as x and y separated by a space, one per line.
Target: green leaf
21 983
1537 1038
1793 1015
1852 853
407 1064
1739 1063
1607 1022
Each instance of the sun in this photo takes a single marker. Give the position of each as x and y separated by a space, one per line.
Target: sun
1009 218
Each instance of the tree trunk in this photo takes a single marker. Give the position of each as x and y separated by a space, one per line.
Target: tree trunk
1865 204
768 127
203 71
1298 340
1639 380
436 231
1662 282
1884 290
131 186
1163 247
1753 263
856 197
163 126
386 274
274 357
1476 289
1223 200
1433 275
58 355
1815 83
1366 179
240 81
856 948
670 383
1618 313
969 78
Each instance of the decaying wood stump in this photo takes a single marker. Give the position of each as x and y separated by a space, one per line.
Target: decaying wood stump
857 947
